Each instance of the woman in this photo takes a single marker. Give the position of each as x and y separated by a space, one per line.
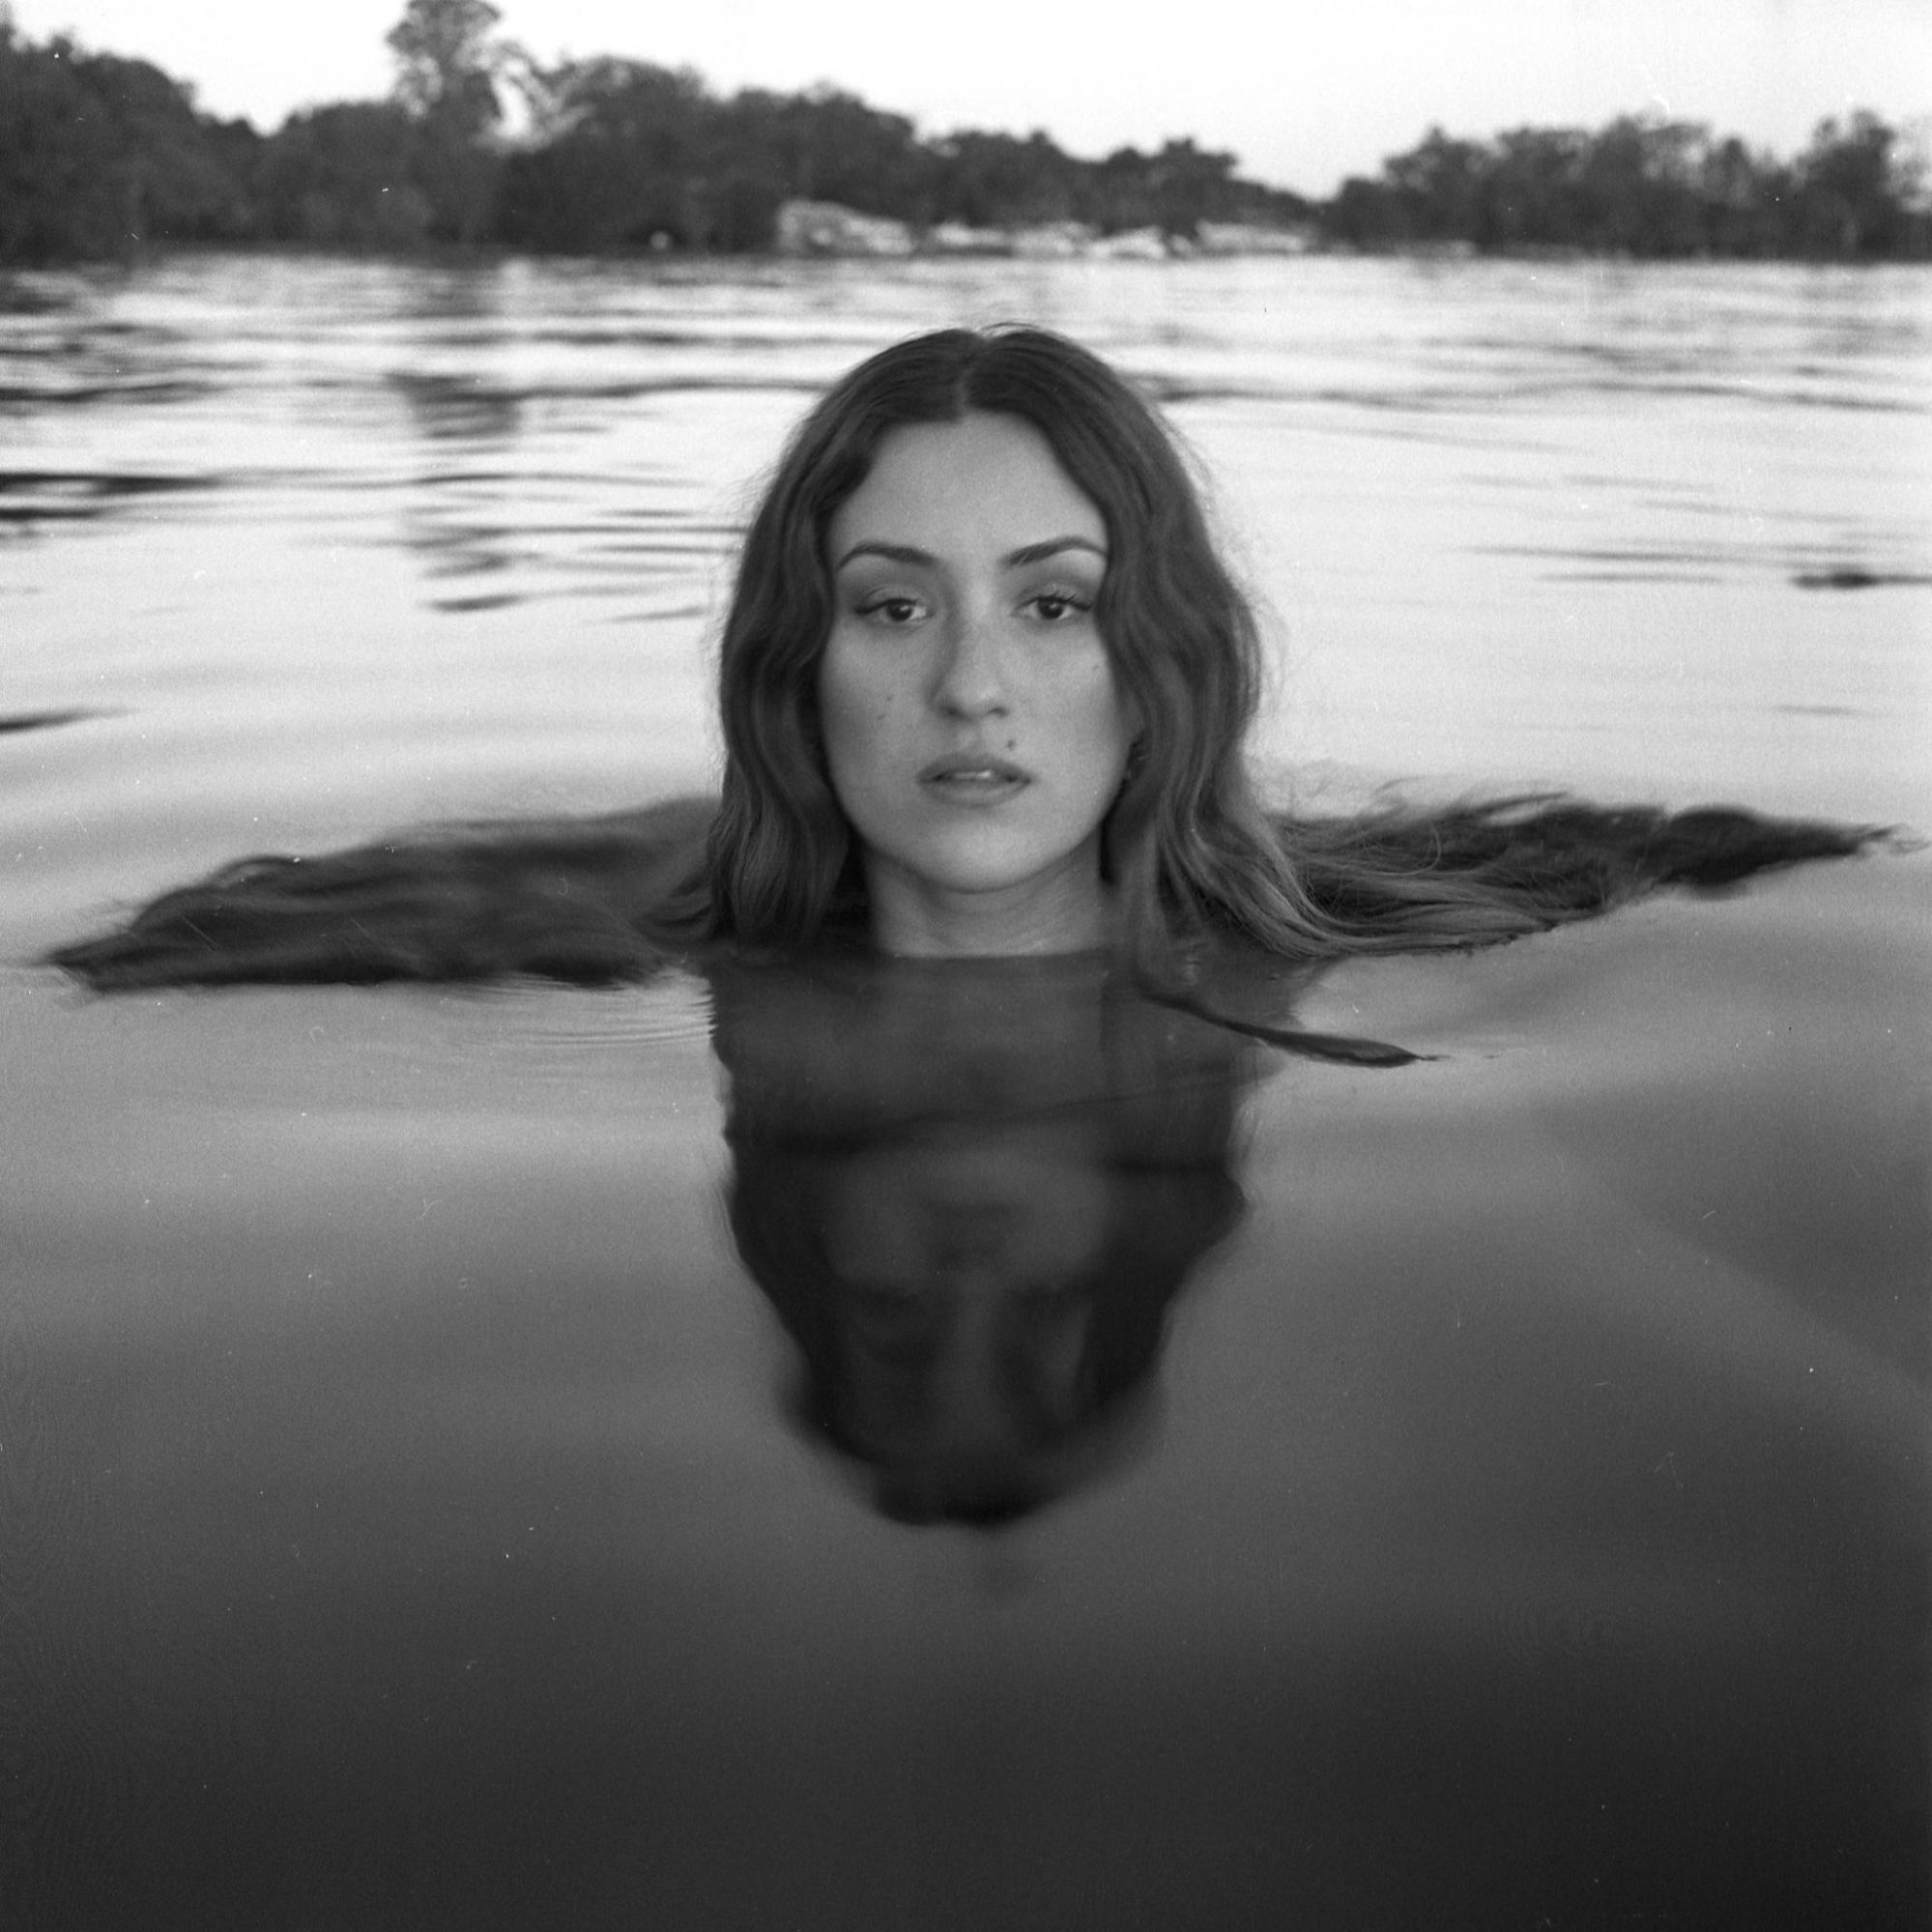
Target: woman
983 686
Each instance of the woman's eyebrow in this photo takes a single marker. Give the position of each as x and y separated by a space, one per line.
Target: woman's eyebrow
1038 553
894 553
1014 560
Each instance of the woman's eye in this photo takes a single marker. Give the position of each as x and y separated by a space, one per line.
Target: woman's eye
892 609
1058 607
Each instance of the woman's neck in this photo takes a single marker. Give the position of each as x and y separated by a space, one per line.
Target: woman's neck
1067 911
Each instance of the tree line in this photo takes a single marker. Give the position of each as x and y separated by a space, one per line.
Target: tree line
101 155
1648 187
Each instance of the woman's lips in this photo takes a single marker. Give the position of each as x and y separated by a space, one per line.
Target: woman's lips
972 778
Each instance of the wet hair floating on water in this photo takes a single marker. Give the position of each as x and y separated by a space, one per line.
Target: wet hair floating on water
1193 860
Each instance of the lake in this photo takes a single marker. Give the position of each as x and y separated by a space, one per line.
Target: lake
445 1479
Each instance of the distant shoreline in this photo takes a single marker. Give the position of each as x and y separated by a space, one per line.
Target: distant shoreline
486 254
105 157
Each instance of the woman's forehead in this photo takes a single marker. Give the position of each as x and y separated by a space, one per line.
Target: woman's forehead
984 481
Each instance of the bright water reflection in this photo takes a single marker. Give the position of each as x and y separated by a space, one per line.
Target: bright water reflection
1484 1493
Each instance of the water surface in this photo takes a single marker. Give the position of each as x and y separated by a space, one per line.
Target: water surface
1488 1492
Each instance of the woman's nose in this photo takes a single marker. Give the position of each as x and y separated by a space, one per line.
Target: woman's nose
971 679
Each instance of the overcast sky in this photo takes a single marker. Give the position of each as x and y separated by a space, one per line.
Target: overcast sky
1304 91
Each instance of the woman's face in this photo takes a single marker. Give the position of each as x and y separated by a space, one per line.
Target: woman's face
972 725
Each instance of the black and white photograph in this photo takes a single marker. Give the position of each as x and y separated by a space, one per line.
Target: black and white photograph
966 969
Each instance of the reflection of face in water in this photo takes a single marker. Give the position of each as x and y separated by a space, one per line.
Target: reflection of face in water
972 1190
965 1336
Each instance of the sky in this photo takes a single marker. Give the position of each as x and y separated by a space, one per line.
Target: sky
1304 91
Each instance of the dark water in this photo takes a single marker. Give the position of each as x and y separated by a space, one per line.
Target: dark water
475 1457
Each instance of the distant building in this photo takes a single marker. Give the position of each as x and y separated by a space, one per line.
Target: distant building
825 228
829 228
1051 241
1133 245
1247 238
958 238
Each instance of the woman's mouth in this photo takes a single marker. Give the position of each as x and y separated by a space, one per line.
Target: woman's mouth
972 778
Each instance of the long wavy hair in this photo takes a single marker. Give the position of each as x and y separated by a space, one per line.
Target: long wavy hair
1186 846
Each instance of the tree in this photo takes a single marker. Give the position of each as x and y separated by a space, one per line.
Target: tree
627 159
1742 195
339 176
1438 188
1188 186
101 155
996 180
1533 198
1854 191
447 66
1639 188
